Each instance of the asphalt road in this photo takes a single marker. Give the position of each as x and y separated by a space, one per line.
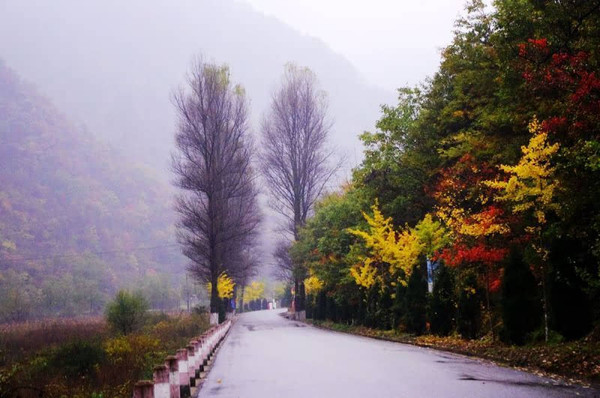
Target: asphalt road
266 356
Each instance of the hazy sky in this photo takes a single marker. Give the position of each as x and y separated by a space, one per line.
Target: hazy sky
392 42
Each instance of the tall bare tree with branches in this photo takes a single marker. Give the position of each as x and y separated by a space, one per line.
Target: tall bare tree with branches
213 164
283 261
296 163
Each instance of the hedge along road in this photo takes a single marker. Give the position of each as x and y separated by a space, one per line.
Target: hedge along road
266 355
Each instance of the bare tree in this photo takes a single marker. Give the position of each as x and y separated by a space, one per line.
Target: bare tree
218 206
245 271
296 163
283 261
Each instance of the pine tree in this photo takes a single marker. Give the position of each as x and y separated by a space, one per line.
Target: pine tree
469 307
416 300
443 302
520 309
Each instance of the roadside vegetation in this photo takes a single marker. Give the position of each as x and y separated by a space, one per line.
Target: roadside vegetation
92 357
473 221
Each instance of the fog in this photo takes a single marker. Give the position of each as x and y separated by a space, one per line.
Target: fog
113 65
110 69
392 43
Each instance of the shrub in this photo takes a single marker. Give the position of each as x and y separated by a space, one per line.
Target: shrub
154 317
179 329
201 310
78 358
130 358
127 312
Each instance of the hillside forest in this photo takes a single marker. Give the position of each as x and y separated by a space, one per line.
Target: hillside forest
78 220
87 130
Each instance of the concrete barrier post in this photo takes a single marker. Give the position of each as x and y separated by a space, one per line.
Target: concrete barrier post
197 358
184 379
175 378
191 363
202 354
143 389
208 346
212 341
171 362
161 382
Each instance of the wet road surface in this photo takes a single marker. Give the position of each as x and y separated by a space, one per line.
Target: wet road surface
266 355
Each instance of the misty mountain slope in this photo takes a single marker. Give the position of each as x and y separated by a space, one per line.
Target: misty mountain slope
77 220
114 64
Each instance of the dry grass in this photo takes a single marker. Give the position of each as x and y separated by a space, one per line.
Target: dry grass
83 358
20 340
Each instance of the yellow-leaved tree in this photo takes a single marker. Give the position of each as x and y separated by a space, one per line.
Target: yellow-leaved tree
313 284
391 254
531 189
531 185
225 286
433 235
254 291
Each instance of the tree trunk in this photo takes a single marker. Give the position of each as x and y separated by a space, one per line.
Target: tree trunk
241 309
545 303
487 299
302 296
214 300
296 295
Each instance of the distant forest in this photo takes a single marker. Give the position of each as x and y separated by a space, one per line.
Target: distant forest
77 219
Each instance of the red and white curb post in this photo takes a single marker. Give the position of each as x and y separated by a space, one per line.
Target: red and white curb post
182 371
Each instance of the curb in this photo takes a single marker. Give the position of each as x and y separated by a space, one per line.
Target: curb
182 375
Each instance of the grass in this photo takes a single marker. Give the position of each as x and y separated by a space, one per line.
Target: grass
20 340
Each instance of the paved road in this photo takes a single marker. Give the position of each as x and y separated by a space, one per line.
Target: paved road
266 356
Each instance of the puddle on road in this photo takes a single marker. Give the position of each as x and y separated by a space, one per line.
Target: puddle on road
522 383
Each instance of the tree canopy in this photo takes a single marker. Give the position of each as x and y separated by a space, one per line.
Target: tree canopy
496 153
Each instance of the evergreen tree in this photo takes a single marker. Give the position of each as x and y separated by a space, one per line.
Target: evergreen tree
443 302
416 300
520 305
399 305
469 307
384 309
571 305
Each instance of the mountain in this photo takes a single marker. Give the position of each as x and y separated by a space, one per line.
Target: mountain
77 219
73 208
114 64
